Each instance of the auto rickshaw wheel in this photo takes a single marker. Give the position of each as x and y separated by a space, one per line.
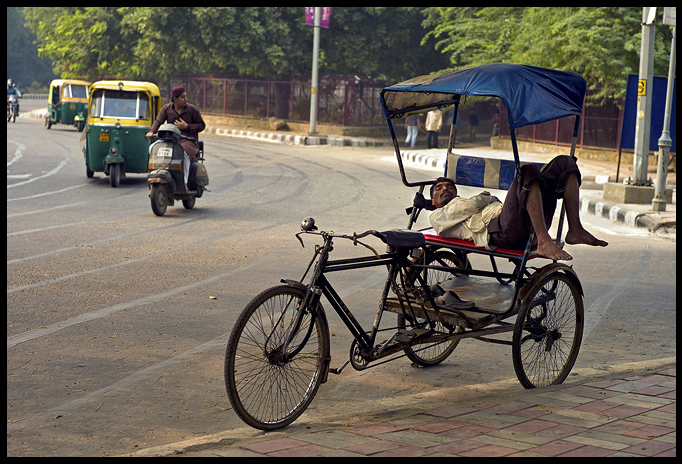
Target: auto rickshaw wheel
115 175
89 172
159 199
48 123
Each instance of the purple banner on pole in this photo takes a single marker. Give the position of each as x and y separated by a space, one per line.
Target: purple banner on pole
324 19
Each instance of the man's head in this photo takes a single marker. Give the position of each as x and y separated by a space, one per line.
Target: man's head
443 191
179 97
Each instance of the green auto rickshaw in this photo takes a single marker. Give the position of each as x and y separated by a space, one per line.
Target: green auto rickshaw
120 114
67 103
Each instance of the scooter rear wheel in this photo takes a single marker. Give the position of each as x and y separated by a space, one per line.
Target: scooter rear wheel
158 197
189 203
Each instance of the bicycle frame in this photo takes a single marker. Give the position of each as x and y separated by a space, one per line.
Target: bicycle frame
319 285
396 261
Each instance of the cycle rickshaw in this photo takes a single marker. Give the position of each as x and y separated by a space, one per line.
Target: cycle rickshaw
278 353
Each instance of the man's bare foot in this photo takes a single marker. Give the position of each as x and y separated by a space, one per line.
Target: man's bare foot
550 250
583 237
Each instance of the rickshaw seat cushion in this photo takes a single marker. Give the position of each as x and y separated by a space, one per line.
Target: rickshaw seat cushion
430 235
403 238
482 172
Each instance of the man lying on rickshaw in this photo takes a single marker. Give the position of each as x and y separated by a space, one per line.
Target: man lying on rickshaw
487 222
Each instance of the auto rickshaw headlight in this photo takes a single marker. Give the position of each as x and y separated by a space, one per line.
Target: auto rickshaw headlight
113 151
117 125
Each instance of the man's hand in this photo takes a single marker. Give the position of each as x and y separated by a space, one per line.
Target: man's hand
149 135
180 124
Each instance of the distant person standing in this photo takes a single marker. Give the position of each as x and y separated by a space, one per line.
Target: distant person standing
473 124
412 126
496 124
434 121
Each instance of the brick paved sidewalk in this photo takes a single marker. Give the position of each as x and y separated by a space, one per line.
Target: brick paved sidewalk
631 416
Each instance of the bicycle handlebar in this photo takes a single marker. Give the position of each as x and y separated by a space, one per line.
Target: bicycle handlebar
308 227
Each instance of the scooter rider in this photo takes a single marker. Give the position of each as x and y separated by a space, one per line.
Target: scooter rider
13 91
187 118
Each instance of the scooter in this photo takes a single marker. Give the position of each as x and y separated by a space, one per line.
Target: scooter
166 171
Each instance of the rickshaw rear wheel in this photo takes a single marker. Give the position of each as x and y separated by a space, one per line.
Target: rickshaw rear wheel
48 123
89 172
548 331
189 203
159 200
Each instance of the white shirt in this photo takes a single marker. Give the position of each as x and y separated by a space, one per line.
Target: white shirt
467 218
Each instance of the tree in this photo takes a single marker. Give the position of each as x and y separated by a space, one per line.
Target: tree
23 64
157 44
600 43
83 42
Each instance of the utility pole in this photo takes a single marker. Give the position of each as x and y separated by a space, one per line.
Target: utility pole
644 97
665 142
313 89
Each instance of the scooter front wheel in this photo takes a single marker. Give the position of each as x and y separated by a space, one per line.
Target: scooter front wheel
159 199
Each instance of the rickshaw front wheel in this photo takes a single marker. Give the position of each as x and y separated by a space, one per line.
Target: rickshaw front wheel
548 331
159 199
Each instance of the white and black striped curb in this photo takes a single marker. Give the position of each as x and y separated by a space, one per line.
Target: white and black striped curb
422 158
296 139
620 213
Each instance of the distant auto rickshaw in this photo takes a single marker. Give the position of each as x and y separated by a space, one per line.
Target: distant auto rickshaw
120 114
67 103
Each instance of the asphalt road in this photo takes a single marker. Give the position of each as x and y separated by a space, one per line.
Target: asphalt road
117 319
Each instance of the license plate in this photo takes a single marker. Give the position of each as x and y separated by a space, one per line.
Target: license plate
103 136
165 152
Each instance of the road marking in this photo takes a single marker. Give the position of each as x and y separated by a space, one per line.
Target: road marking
17 154
37 333
46 193
50 173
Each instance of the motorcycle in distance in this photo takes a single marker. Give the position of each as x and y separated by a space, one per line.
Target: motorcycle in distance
12 108
166 171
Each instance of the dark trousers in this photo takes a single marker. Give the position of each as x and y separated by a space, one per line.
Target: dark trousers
512 227
432 139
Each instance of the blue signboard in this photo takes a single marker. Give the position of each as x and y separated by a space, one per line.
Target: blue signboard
658 90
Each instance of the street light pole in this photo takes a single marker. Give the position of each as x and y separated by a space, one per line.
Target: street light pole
644 92
665 142
313 89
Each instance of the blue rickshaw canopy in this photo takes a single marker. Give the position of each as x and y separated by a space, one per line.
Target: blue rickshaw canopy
531 95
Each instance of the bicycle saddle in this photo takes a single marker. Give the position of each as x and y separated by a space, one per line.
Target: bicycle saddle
402 238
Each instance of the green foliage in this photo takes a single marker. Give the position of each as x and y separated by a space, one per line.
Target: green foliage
600 43
158 44
23 64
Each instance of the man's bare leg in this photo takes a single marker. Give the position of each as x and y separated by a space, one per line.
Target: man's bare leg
546 246
576 232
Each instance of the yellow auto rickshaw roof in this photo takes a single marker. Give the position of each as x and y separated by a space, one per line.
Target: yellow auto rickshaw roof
127 85
60 82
